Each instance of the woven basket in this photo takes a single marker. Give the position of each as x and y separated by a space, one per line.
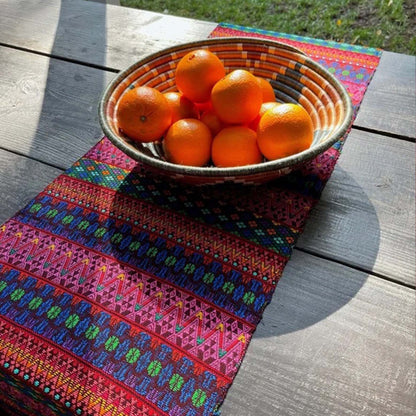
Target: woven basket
295 78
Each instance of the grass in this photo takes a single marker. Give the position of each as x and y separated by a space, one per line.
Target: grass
385 24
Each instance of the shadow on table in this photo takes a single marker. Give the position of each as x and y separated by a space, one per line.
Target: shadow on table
311 288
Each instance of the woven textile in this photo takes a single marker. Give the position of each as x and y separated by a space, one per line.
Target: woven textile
125 294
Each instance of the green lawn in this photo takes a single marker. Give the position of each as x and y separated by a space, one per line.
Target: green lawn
386 24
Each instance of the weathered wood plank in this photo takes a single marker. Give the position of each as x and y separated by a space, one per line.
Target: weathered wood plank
92 33
329 346
366 216
389 104
95 33
49 108
21 179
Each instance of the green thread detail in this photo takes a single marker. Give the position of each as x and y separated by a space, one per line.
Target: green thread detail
35 303
158 316
112 343
228 287
176 382
208 278
83 225
154 368
92 332
3 286
116 238
52 213
53 312
72 321
170 261
134 246
35 207
152 252
99 232
221 353
178 328
17 294
133 354
200 340
198 398
189 268
67 219
249 298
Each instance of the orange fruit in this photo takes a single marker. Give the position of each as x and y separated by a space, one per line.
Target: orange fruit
235 146
196 74
188 142
264 107
213 122
143 114
202 107
267 90
237 97
181 106
284 130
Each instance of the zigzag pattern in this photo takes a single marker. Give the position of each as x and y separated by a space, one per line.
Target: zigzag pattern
140 361
196 205
191 273
173 227
103 151
149 302
71 386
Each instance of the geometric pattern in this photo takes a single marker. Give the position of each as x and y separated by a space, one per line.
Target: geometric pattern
125 294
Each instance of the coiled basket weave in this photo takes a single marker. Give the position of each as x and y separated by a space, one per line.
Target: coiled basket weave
295 77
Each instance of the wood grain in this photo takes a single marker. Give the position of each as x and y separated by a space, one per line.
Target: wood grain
48 107
21 179
366 214
389 104
329 346
94 33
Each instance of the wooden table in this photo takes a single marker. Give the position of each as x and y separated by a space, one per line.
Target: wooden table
339 336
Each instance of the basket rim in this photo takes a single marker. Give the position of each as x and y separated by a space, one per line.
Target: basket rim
213 171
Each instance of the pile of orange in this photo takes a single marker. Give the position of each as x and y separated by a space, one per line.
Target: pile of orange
226 119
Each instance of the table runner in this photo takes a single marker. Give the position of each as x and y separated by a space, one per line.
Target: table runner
126 294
